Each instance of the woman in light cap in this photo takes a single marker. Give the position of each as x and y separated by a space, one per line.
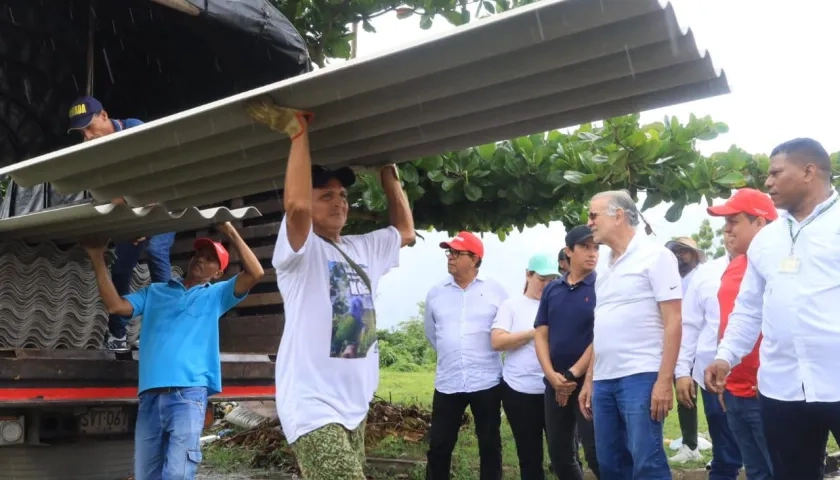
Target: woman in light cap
522 376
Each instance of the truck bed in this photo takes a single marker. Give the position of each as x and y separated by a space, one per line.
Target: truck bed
30 377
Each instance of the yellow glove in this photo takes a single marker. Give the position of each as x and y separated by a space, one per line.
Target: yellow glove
290 121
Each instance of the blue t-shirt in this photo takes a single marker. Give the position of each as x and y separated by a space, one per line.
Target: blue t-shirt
120 125
569 313
179 336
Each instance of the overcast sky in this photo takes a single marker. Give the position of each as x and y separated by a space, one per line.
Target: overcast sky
774 54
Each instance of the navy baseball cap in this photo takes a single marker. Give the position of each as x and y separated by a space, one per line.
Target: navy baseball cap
578 235
322 175
82 112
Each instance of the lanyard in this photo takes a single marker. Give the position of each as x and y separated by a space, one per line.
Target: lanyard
807 222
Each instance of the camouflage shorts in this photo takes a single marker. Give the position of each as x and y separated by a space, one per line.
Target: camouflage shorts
332 453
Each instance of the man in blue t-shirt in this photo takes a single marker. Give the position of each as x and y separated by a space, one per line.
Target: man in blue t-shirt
88 117
179 363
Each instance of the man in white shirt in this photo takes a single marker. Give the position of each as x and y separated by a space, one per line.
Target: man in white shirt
328 360
789 294
629 386
459 316
700 322
689 257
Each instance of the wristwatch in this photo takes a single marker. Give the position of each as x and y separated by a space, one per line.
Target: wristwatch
570 376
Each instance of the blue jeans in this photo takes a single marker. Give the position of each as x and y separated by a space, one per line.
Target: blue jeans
726 456
157 251
168 432
744 417
628 442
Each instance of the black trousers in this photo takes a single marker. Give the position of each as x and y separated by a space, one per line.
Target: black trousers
526 414
797 434
447 411
562 425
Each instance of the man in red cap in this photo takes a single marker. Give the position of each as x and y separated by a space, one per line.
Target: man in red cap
180 361
459 316
746 213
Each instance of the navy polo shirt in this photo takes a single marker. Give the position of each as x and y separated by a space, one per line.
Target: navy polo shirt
569 313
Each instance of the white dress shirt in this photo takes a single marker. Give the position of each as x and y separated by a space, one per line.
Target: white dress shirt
700 319
629 330
457 324
796 311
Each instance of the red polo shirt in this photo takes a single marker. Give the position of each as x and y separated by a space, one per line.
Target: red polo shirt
743 379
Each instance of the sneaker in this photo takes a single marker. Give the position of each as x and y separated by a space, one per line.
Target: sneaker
116 344
686 454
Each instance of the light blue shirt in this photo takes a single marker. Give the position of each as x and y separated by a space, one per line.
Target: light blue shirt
180 333
458 323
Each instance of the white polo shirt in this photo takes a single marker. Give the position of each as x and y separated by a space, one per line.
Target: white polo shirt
629 331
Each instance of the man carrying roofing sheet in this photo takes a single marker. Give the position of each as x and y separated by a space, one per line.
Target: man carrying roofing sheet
328 360
88 117
179 363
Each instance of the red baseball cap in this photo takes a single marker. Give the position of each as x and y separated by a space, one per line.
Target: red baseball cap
749 201
466 242
221 252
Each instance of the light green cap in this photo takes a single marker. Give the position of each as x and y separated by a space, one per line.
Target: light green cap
544 265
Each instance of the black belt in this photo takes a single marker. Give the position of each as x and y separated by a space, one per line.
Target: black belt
163 389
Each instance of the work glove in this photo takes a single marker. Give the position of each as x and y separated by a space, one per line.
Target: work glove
287 120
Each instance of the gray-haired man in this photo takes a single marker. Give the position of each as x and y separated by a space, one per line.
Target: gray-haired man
636 342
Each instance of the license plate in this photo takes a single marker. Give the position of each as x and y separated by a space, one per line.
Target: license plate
104 421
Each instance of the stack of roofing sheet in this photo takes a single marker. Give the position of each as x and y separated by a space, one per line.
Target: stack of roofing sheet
551 64
49 298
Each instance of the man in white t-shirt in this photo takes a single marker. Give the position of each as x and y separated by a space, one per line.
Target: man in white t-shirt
459 316
629 386
328 361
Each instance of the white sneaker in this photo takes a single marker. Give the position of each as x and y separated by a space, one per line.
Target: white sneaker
116 344
686 454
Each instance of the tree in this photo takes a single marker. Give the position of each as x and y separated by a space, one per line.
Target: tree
406 349
548 177
325 24
709 240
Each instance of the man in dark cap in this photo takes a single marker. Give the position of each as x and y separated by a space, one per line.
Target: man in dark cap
328 361
89 118
563 340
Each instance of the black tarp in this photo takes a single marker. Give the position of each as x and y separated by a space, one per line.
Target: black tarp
149 61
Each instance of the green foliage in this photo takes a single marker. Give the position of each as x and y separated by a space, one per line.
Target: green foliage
326 24
405 349
537 179
709 240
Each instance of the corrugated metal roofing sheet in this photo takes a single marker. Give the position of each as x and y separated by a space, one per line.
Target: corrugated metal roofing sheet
547 65
118 222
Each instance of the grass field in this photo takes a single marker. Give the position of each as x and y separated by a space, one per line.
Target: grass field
418 387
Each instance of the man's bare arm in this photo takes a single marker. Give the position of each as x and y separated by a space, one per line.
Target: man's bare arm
297 191
543 349
672 319
399 212
114 303
252 271
581 367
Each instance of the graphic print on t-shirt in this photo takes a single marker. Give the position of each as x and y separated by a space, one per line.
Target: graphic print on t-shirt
354 318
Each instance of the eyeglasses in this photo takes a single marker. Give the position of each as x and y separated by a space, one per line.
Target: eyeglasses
455 253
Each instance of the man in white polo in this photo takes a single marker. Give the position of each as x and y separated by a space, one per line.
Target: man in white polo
629 387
